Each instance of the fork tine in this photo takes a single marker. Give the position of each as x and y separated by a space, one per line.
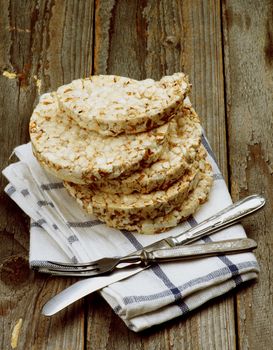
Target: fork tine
95 267
84 264
87 268
75 265
68 273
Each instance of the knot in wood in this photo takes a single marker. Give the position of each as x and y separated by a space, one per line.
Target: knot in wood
171 40
15 271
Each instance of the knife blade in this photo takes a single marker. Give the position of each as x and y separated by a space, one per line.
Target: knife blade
224 218
84 287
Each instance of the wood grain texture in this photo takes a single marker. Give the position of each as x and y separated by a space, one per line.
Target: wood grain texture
44 44
40 42
248 34
144 39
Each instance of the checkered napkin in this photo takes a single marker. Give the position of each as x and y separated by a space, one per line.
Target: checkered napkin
61 231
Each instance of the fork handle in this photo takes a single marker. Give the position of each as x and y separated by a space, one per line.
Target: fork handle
188 252
226 217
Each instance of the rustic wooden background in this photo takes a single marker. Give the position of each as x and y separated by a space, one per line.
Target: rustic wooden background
227 50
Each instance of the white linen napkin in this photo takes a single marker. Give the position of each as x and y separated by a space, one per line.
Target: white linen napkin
61 231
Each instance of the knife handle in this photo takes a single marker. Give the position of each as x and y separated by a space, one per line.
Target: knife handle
226 217
189 252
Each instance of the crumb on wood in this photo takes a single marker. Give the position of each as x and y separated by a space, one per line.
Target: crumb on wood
38 83
12 75
15 333
19 30
9 75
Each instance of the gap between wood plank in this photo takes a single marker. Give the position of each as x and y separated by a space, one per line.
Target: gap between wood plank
235 306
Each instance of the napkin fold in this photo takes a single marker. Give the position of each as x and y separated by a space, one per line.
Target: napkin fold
60 230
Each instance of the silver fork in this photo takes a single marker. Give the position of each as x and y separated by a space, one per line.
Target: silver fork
187 252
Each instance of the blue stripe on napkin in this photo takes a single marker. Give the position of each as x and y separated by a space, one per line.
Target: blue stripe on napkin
207 147
232 267
52 186
89 223
158 271
224 271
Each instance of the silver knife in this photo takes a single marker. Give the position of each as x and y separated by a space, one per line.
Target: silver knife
224 218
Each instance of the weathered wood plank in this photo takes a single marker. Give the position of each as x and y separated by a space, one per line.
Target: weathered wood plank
42 45
150 39
248 47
